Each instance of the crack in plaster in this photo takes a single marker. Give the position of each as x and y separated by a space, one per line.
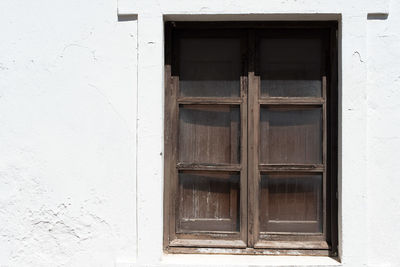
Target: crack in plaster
93 52
359 56
112 107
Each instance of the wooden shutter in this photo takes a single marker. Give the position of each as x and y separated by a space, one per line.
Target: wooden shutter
251 138
207 104
289 99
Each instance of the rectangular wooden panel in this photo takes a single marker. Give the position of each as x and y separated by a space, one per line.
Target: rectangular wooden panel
290 135
208 201
291 203
209 134
210 67
290 66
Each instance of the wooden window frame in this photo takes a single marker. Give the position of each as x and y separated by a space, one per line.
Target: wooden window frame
248 240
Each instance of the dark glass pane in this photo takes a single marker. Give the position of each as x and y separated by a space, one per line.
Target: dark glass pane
291 203
208 201
292 136
209 134
209 67
290 67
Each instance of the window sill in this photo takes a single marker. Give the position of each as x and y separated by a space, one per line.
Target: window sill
245 260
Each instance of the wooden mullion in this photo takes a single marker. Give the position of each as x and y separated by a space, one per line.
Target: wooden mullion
294 236
324 158
210 100
170 144
208 167
292 244
333 140
244 139
324 70
253 141
168 133
300 101
211 243
207 235
291 167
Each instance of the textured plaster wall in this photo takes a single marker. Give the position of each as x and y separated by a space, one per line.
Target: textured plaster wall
81 94
383 145
67 133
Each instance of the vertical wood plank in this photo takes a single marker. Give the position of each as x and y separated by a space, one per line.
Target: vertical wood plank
234 127
173 174
173 128
324 155
333 140
253 131
168 133
244 141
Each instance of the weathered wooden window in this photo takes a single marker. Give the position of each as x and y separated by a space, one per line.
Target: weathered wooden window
251 138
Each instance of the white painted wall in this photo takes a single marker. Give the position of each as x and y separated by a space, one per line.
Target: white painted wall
67 139
76 94
383 98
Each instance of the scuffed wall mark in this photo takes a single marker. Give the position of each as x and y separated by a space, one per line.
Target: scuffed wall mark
359 56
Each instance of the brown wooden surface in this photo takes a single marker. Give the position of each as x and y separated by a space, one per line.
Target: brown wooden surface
248 251
253 175
300 101
208 167
241 104
244 140
208 201
209 134
290 135
209 100
291 203
170 141
332 143
291 167
168 132
293 244
208 243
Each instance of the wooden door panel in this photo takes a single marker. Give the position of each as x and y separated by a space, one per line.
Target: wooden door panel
208 201
291 203
209 134
290 135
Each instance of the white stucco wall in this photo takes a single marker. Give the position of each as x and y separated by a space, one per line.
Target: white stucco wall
67 139
81 119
